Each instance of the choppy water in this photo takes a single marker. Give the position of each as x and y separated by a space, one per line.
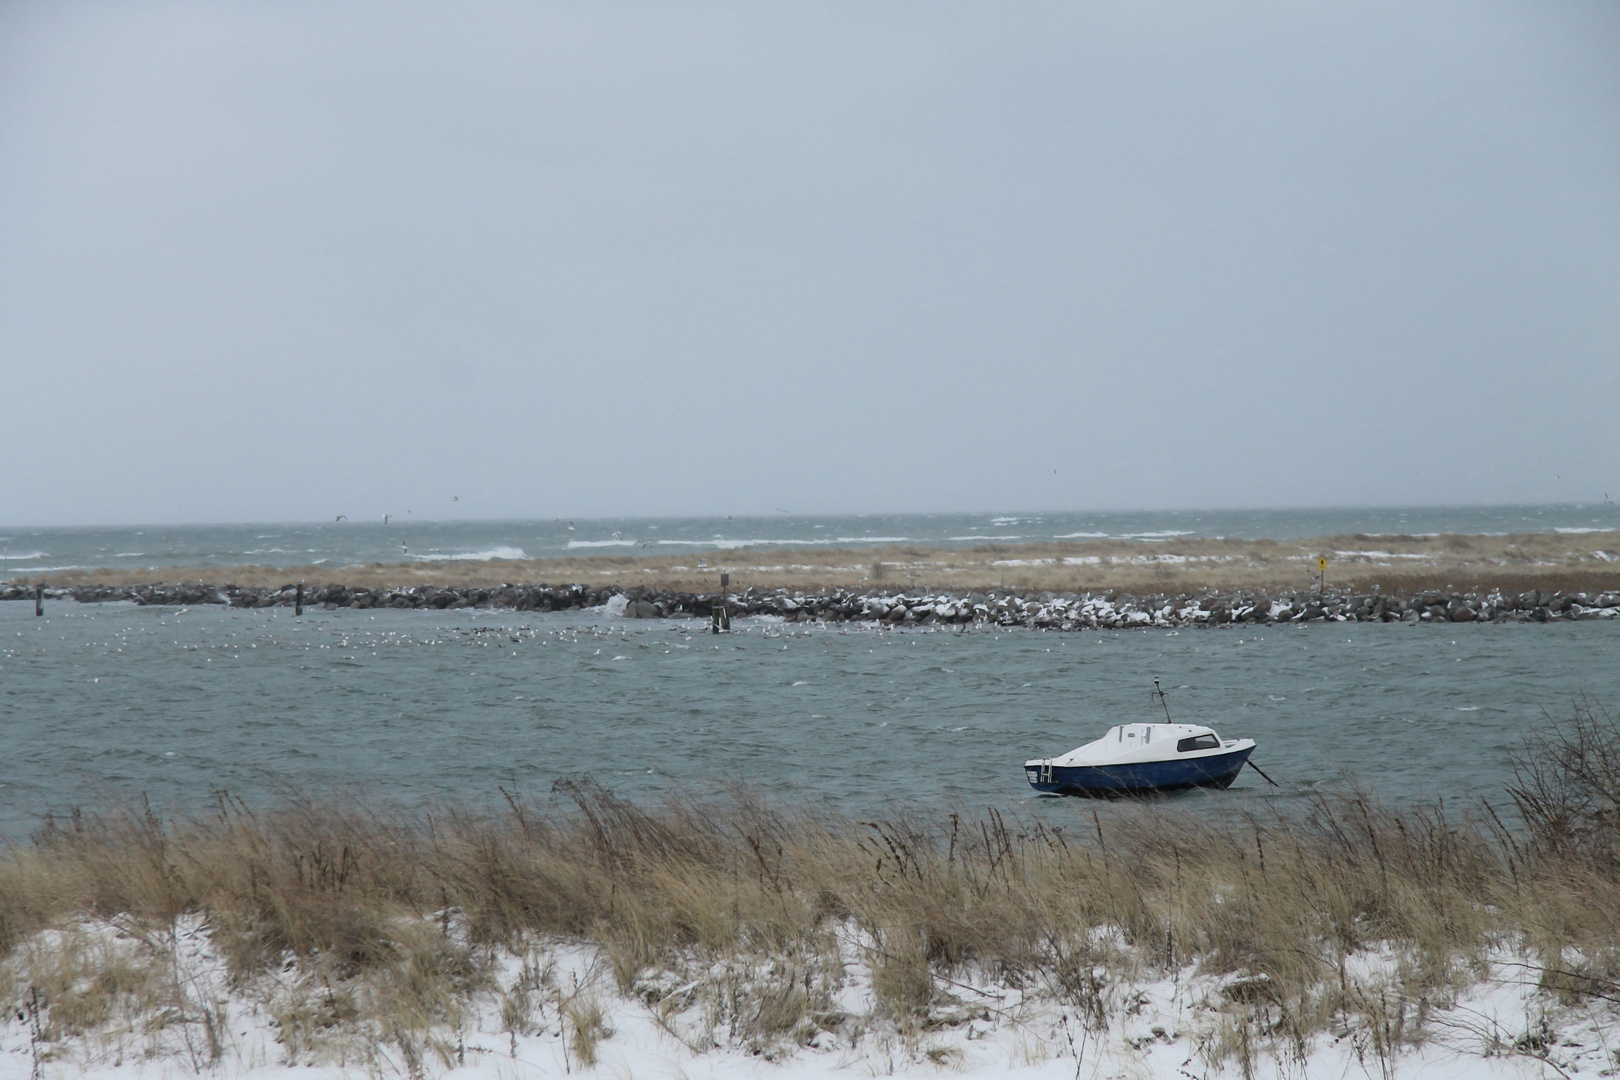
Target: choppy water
106 702
337 543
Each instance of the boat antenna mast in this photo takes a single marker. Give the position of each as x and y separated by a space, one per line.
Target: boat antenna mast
1159 693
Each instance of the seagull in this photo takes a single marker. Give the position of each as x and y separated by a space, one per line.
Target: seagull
618 536
570 526
455 498
781 510
403 548
385 519
341 517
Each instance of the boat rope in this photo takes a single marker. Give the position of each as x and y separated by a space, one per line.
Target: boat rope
1262 772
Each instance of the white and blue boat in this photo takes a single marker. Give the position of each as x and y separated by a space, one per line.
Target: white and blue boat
1143 758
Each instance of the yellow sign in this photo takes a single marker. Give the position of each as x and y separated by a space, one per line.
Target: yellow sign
1321 562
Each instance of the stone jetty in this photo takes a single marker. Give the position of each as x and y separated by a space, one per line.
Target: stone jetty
1102 610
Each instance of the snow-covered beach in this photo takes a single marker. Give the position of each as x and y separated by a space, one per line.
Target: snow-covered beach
556 1011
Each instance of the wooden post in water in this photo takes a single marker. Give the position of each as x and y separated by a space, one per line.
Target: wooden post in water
725 603
39 599
298 600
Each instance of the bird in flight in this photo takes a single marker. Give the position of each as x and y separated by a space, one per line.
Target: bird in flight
341 517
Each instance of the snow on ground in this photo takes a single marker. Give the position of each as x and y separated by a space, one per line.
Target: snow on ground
530 1024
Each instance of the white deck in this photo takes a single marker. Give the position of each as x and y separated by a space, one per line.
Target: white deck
1127 744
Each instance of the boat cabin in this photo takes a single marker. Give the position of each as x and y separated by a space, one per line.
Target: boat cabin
1187 737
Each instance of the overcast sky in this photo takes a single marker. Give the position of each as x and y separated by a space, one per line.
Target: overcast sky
281 260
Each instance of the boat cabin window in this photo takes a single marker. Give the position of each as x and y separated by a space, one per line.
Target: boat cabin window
1198 742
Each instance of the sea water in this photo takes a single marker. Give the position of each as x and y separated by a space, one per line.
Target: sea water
25 551
105 704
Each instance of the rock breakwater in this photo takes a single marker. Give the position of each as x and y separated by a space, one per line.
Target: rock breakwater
1102 610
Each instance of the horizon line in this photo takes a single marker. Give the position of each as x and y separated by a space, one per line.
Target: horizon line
408 518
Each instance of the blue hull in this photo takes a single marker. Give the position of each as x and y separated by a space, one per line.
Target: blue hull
1217 771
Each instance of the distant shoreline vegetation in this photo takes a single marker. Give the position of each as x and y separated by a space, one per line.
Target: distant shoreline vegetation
1169 566
890 593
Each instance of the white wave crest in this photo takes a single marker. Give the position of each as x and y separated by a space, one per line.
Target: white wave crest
600 543
473 556
727 545
30 555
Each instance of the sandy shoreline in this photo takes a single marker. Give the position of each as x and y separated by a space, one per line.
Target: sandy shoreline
1515 562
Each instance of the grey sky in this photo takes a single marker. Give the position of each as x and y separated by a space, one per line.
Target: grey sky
265 261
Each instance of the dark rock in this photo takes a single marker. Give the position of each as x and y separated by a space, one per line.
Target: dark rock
1042 610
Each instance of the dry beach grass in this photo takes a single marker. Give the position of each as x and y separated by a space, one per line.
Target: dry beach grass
368 933
1512 563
